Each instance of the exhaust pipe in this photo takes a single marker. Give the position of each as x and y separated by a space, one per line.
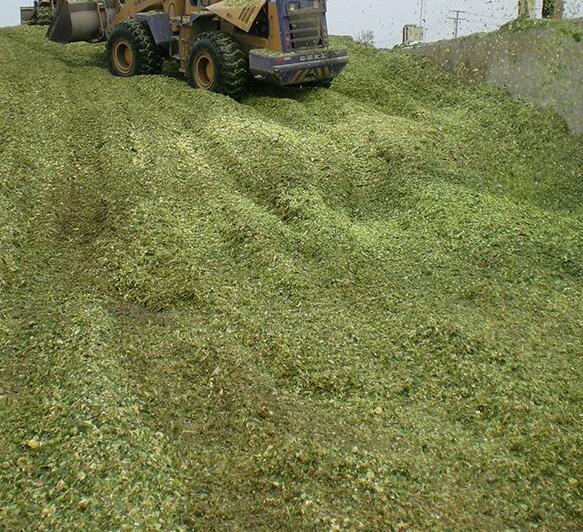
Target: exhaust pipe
81 20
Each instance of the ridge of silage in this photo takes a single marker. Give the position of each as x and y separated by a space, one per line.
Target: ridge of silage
330 308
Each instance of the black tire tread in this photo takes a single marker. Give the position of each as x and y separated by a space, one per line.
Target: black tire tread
148 56
232 63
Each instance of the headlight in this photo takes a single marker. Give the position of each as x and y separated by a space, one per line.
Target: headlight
292 6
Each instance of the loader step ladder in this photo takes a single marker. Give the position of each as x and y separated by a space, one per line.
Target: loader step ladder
175 47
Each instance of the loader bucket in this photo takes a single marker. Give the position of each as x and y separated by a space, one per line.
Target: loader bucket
80 20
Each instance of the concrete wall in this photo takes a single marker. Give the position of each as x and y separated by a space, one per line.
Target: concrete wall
540 62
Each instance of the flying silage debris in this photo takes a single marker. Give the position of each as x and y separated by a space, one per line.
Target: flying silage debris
39 14
217 44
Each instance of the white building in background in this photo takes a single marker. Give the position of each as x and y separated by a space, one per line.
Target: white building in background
412 34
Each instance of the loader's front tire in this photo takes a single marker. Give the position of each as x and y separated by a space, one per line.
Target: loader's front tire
132 51
216 63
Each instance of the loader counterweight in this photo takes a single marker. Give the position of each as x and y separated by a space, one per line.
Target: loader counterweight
307 66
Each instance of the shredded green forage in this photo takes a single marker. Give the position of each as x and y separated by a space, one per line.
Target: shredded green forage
315 309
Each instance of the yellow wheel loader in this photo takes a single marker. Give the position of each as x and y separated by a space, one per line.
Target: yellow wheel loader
218 44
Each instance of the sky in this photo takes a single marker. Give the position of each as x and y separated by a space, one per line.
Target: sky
386 18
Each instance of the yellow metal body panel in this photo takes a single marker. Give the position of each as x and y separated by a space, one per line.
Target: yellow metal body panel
240 13
133 7
174 8
274 29
246 40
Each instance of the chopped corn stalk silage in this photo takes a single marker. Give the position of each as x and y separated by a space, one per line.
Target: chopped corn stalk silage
314 309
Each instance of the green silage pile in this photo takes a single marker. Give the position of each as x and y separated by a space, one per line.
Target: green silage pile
348 308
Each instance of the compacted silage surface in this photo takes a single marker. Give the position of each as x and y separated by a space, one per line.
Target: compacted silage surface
349 308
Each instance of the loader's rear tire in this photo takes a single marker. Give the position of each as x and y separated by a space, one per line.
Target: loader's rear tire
132 51
216 63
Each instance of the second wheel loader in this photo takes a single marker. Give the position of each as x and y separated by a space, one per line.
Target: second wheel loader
218 44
